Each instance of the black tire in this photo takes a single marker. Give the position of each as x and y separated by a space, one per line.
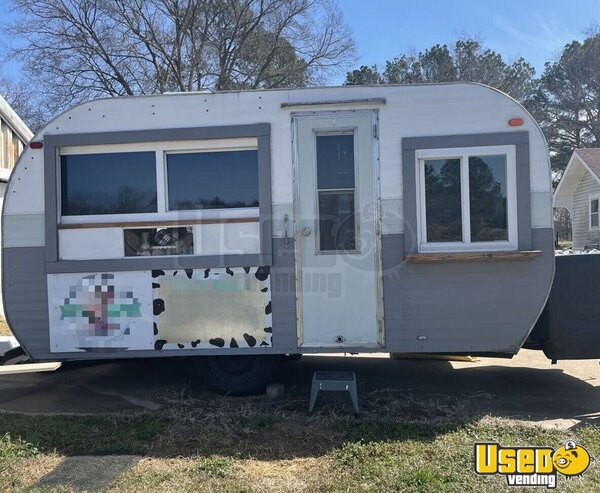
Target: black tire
236 375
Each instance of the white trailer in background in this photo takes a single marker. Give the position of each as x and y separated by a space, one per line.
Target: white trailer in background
14 136
240 226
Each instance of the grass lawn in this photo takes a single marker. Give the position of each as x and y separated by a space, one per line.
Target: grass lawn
187 449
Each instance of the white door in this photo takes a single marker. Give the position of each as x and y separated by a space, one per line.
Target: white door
337 218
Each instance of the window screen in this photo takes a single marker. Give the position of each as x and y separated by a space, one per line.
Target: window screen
108 183
212 180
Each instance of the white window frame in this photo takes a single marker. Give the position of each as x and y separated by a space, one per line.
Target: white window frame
591 198
161 149
463 153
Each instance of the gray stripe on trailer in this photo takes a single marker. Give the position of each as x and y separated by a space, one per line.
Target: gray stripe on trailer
463 306
26 306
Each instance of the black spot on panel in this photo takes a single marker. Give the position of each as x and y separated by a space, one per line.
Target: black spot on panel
195 343
217 342
174 273
158 345
206 273
189 272
233 343
229 271
250 340
262 273
155 285
155 329
158 273
268 308
269 330
246 270
180 346
264 343
159 306
264 290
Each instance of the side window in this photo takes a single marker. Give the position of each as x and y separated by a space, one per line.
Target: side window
467 199
212 180
108 183
594 212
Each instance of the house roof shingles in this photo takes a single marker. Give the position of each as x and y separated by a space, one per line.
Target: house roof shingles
591 156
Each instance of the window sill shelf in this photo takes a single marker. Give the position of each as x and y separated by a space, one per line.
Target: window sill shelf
427 258
165 223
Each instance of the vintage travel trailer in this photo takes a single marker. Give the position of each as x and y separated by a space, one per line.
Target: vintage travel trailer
246 225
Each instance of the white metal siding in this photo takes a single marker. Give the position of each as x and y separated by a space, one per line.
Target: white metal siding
582 235
410 111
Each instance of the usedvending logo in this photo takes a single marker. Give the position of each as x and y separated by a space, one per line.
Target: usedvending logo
532 466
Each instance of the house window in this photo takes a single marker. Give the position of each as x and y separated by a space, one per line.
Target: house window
467 199
594 212
212 180
108 183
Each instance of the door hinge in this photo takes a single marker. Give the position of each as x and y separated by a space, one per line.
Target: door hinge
375 133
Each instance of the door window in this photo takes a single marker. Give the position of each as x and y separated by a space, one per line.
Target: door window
336 192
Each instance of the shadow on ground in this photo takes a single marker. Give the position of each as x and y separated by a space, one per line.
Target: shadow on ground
154 407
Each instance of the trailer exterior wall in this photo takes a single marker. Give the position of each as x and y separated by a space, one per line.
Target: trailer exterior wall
470 307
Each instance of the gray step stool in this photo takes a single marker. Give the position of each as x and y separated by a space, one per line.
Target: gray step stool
336 381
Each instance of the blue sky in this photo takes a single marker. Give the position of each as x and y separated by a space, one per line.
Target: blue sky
533 29
383 29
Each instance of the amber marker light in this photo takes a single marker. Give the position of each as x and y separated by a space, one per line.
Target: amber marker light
516 122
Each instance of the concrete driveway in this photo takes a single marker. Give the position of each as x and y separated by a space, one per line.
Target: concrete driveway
527 387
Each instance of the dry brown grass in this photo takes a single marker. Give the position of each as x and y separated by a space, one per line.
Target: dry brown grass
31 470
4 330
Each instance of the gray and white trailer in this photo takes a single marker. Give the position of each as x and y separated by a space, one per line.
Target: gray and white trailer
244 225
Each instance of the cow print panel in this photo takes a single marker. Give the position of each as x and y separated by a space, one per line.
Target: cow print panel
250 340
217 342
262 273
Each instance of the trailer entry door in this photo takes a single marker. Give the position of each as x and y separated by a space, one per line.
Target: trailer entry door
337 249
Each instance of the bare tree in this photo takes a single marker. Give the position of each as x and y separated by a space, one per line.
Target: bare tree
81 49
21 100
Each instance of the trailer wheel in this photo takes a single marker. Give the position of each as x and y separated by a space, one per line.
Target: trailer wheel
236 375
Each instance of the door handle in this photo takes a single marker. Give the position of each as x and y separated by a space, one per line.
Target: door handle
306 232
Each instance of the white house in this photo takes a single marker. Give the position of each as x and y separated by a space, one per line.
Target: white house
14 136
579 192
